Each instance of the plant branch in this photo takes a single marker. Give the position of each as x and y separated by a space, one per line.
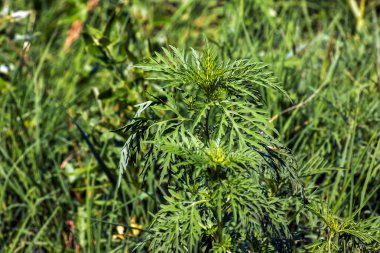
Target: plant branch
207 127
327 81
302 103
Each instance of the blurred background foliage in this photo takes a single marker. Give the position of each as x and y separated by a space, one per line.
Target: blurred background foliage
67 80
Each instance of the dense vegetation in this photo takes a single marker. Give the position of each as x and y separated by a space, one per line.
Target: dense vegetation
258 130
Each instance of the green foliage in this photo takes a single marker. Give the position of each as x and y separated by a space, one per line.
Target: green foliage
59 103
207 132
347 234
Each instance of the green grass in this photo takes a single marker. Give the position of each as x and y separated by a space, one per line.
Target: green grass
59 158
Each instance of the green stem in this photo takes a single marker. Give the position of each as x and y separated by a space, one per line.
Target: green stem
207 126
220 222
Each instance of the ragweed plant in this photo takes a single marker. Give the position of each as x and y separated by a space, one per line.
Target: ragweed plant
345 235
207 134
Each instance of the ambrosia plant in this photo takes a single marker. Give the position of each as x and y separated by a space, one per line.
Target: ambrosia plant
206 131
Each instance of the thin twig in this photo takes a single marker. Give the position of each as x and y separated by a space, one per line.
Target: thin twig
327 81
302 103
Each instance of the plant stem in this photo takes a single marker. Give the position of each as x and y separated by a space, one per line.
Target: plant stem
207 127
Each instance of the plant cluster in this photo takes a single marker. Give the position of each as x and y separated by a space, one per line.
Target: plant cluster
229 183
206 131
68 77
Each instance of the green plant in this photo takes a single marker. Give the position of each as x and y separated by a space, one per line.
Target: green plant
206 133
342 235
57 187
